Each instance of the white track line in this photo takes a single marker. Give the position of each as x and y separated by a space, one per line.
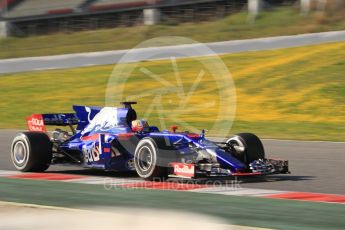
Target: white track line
221 43
40 206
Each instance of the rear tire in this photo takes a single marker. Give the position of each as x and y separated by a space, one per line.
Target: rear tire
247 147
146 161
31 152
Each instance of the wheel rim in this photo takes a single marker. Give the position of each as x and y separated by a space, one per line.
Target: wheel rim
145 158
237 144
19 153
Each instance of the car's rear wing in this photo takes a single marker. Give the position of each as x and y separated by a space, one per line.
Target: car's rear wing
38 122
82 117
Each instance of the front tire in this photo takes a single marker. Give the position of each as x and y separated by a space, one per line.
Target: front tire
31 152
146 161
247 147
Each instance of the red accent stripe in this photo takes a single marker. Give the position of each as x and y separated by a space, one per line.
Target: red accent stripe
90 138
246 174
193 135
306 196
46 176
164 186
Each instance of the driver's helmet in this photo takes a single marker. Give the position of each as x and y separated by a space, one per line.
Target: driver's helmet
139 125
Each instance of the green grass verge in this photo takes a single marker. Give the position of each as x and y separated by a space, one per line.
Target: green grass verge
249 211
295 93
281 21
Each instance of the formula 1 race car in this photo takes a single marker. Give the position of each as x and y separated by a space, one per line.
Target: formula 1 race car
112 139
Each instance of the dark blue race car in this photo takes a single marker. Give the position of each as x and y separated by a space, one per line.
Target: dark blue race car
112 139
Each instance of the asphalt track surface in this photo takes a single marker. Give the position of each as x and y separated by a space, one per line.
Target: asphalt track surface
315 166
157 53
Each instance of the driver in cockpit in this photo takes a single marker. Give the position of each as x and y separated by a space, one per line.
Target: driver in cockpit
140 125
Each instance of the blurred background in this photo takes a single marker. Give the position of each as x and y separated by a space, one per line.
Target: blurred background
289 93
88 25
